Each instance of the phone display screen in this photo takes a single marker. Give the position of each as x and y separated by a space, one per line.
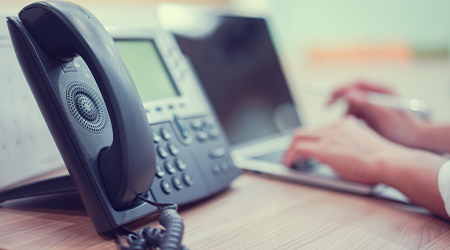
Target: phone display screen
149 73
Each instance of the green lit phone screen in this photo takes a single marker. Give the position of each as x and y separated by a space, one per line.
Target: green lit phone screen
147 69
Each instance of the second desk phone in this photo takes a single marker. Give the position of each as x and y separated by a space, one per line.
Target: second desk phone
192 156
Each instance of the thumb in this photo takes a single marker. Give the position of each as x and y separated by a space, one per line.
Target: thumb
303 149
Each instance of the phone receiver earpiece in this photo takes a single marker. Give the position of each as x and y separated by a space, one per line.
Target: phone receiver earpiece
64 30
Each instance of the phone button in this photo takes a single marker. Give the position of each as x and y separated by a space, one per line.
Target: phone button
196 124
177 183
173 149
217 152
169 167
180 164
165 186
188 180
166 134
156 137
214 133
183 130
224 166
207 124
216 169
185 133
202 136
159 171
162 152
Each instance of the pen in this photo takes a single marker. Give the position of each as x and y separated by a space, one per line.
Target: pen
415 106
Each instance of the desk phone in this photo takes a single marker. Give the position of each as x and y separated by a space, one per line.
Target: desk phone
128 115
192 151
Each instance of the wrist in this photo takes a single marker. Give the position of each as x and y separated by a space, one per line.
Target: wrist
385 164
395 167
432 138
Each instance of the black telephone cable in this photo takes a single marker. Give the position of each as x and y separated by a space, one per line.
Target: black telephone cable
153 238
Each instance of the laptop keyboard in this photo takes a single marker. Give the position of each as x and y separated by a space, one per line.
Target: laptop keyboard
277 157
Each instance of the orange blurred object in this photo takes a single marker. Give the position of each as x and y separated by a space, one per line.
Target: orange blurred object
362 52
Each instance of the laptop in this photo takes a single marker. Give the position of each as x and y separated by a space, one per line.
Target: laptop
237 63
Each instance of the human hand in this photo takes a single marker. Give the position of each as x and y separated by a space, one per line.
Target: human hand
362 86
359 154
349 147
396 125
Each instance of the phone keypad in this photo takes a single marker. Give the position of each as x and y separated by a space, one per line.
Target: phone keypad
171 167
192 159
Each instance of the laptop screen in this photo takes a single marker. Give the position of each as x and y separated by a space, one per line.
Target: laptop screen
236 62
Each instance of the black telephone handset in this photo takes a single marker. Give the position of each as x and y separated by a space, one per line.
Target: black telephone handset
114 154
64 31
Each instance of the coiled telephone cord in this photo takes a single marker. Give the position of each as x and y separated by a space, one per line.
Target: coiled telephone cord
153 238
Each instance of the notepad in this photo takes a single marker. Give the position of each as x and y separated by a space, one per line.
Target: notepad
27 148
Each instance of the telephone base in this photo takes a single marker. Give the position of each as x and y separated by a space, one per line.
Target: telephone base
60 184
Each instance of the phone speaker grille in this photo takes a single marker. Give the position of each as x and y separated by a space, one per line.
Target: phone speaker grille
87 107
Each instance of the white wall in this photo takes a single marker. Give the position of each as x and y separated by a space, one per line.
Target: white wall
298 25
305 22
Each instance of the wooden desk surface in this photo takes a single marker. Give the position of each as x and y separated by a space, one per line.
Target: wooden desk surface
254 213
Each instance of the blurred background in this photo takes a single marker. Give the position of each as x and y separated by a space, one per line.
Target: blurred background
323 43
